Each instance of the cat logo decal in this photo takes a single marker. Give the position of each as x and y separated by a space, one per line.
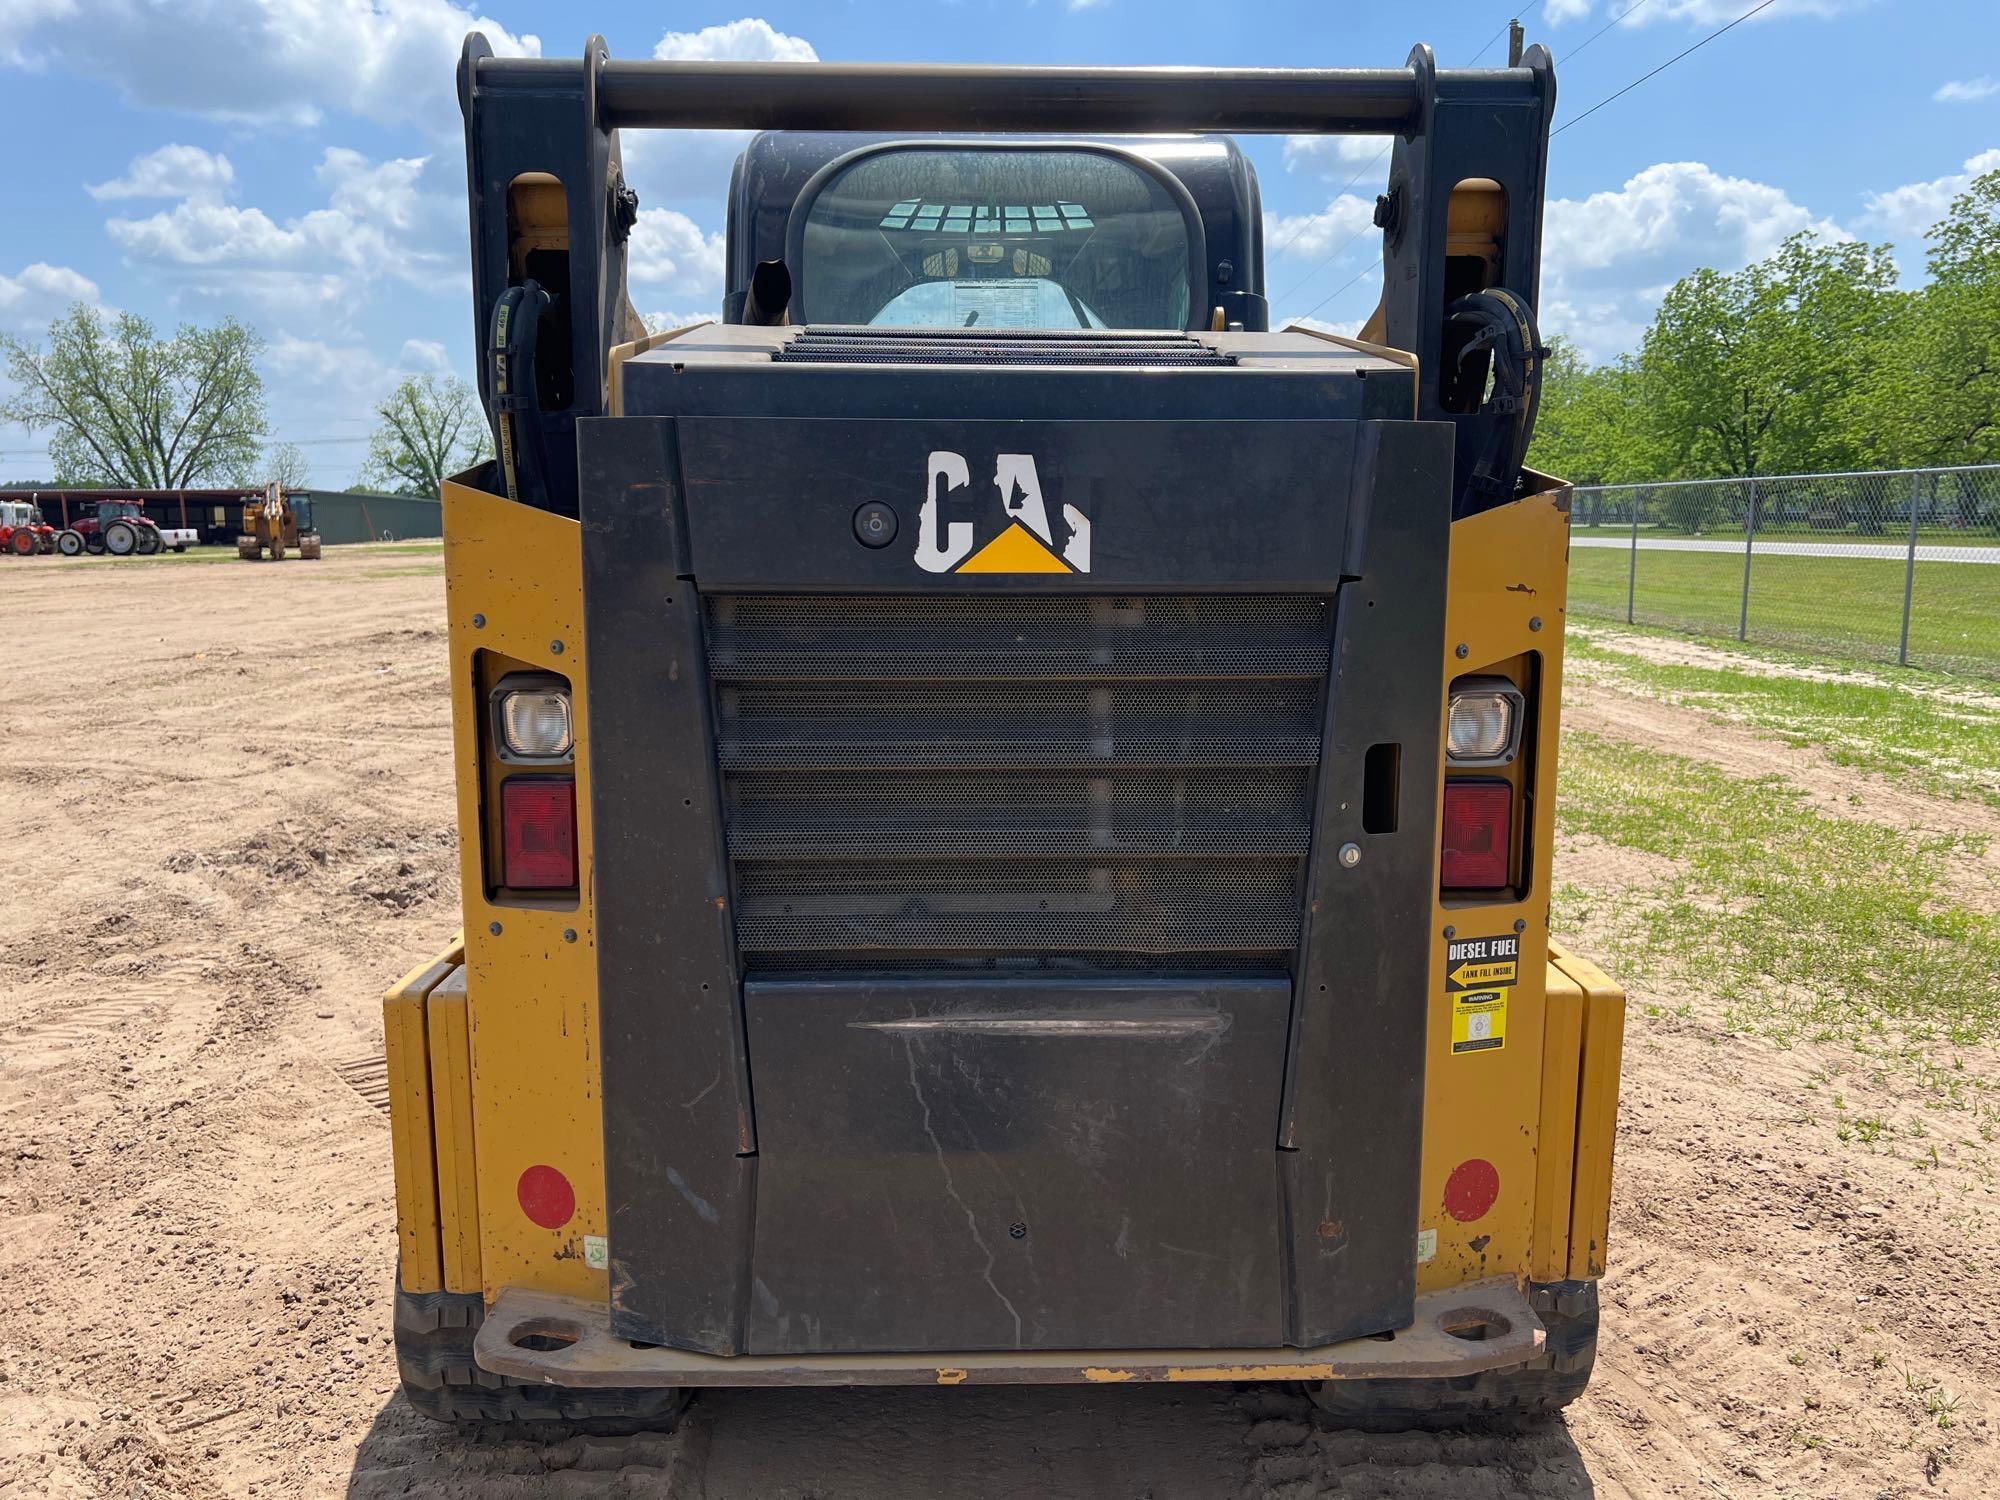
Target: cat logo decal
1026 542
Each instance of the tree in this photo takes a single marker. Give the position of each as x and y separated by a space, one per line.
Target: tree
1759 372
285 463
127 407
1939 390
1591 426
431 427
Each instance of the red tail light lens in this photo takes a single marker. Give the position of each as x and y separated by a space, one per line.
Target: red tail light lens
538 833
1478 835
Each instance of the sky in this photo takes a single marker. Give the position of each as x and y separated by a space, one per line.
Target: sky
298 163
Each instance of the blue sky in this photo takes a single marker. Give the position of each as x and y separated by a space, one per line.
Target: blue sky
297 162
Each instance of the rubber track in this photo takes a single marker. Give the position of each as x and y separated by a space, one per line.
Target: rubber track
434 1334
1568 1309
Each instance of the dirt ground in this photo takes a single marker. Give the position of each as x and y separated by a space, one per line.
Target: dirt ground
226 802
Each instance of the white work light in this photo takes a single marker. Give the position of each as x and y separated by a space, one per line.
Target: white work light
535 723
1483 727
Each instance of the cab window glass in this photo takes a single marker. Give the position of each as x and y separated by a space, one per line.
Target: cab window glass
995 239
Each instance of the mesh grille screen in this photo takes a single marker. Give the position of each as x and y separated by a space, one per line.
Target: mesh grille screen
964 346
1015 782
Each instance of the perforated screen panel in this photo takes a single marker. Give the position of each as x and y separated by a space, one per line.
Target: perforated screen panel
912 783
980 346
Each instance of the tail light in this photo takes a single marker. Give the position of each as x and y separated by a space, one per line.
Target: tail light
538 833
1478 835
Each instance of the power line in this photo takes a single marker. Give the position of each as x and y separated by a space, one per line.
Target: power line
1369 166
1519 15
1766 5
1342 287
1366 167
1637 5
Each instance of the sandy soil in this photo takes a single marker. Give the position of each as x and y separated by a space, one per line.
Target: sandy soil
1681 651
227 814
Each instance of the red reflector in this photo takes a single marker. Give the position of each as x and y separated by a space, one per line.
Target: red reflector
1471 1190
546 1197
1478 827
538 834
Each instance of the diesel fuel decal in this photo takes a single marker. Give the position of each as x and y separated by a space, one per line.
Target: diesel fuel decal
1025 543
1479 975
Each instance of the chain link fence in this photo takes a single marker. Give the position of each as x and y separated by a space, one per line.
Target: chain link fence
1899 566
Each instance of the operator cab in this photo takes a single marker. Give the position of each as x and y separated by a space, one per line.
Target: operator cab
1137 232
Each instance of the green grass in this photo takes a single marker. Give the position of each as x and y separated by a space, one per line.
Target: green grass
1913 728
1801 925
1853 606
347 551
433 547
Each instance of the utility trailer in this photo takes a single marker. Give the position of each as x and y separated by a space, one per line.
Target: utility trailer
1006 807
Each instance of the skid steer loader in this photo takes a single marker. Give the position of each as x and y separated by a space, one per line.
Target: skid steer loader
1006 807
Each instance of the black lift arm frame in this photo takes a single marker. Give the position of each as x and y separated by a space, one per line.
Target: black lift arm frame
561 117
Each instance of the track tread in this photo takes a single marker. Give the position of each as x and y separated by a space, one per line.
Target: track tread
1491 1398
434 1334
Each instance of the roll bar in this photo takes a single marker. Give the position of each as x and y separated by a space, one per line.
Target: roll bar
560 117
847 96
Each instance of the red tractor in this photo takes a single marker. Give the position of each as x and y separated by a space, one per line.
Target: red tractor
118 527
22 531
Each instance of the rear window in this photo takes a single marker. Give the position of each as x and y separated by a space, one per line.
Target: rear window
995 238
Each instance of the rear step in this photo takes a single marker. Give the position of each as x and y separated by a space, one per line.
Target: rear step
567 1341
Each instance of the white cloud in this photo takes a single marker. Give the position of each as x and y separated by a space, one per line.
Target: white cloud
670 253
691 167
387 192
1313 236
380 221
40 293
18 21
1609 258
425 356
1720 12
263 61
1694 12
1907 212
1670 206
317 365
751 39
1966 90
1345 330
1338 156
1087 4
667 322
171 172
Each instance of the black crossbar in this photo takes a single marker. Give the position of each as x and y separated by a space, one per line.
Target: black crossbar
646 94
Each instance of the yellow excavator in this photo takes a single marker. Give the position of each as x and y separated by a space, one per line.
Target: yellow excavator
278 523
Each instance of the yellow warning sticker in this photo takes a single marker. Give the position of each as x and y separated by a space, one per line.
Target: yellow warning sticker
1479 975
1479 1020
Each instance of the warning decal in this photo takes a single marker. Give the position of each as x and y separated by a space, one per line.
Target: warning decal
1479 975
